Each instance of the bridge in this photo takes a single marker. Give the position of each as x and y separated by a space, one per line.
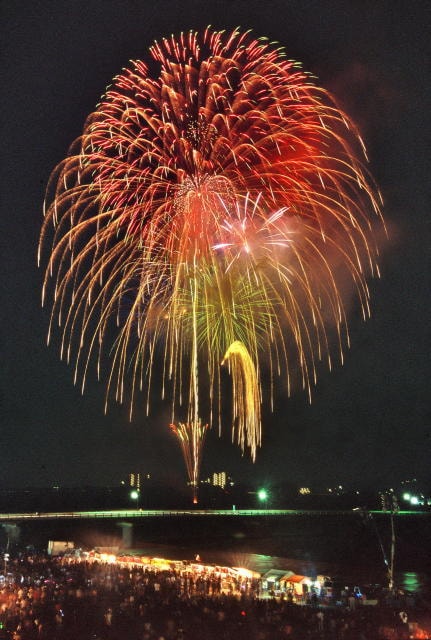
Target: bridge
170 513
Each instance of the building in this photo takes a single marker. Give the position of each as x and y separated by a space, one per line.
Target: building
219 479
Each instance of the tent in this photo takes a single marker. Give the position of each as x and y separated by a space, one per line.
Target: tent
298 584
274 577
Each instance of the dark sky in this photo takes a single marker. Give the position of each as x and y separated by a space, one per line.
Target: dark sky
369 424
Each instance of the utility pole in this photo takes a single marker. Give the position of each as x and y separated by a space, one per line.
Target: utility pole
390 504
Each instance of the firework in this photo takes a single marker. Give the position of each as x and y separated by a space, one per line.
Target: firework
246 396
219 202
191 438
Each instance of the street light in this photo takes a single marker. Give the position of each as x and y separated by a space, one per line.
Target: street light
135 496
262 494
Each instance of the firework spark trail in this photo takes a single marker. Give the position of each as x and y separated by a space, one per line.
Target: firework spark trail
191 438
246 397
220 201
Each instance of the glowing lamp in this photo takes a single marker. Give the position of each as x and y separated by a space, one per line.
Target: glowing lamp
262 494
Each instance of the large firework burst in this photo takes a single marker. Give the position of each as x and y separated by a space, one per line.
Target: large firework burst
211 204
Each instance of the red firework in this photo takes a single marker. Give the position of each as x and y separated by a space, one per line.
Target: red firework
211 204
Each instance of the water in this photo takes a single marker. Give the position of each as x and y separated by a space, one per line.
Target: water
407 581
341 546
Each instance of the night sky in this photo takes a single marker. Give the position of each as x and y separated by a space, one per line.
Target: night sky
369 424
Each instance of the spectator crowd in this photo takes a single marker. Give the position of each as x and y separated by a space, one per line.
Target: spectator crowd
71 598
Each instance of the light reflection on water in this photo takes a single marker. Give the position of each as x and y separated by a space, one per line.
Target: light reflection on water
342 547
412 582
338 546
407 581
